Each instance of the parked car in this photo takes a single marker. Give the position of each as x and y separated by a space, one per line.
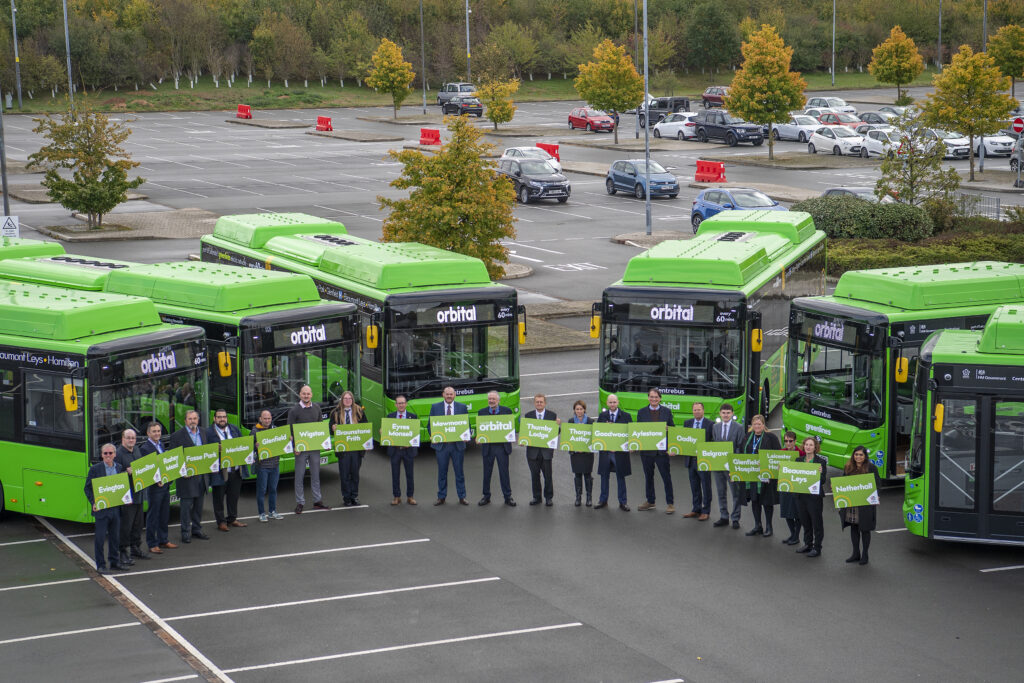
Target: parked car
883 117
650 99
837 103
893 109
995 146
840 119
799 128
839 140
863 128
520 153
865 193
450 90
715 200
630 175
680 126
957 146
662 107
714 96
591 119
535 179
721 125
1017 155
878 142
463 104
816 112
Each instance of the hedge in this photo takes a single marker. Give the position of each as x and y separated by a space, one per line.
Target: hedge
841 216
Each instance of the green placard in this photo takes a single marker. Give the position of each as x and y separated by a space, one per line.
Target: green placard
496 428
147 470
538 433
112 491
684 440
238 451
610 436
576 437
172 464
203 459
357 437
647 436
800 477
274 442
399 433
854 491
713 456
744 467
770 463
449 428
312 436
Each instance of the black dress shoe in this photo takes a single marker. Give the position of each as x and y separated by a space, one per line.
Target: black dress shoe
510 502
804 549
735 525
535 501
792 541
201 534
721 522
814 553
578 501
139 553
853 558
548 502
863 560
486 500
623 507
118 567
439 501
355 501
767 532
186 539
589 500
756 531
601 504
463 501
103 570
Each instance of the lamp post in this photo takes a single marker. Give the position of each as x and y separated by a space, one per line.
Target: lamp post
938 60
636 58
468 76
17 62
67 49
647 136
833 43
984 27
423 61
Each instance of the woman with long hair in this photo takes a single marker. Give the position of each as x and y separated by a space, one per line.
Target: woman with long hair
810 504
860 519
582 462
347 411
763 495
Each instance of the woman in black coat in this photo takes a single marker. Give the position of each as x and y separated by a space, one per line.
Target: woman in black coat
348 412
860 519
582 462
810 504
763 495
787 500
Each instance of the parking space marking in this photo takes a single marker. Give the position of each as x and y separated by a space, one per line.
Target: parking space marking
77 631
305 553
557 372
518 244
561 213
408 646
44 584
31 540
890 531
264 159
343 212
190 677
525 258
287 187
168 187
229 187
333 598
1001 569
331 182
220 161
180 163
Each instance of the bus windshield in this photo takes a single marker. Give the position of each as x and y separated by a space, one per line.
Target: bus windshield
836 369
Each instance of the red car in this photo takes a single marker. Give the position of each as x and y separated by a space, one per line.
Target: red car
840 119
591 119
714 96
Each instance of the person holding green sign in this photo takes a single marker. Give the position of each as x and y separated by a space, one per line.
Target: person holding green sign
159 514
349 412
307 411
268 473
400 455
108 520
226 483
613 460
539 459
861 518
499 451
763 495
655 412
810 504
191 490
131 513
452 452
700 482
582 462
787 500
728 431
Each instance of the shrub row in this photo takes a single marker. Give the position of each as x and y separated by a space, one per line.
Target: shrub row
850 217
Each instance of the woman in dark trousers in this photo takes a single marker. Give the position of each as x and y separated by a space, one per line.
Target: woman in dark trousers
787 500
348 412
860 519
763 495
810 504
582 462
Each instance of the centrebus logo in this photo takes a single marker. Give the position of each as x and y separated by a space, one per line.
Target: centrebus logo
833 331
309 334
158 363
669 313
462 314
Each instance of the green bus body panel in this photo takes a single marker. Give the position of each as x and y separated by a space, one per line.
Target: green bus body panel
925 288
255 229
13 247
1004 333
40 312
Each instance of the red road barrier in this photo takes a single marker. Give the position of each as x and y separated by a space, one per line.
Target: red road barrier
550 149
244 112
710 172
324 123
430 136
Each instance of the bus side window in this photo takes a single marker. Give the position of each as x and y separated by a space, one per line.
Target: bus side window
8 401
371 367
44 405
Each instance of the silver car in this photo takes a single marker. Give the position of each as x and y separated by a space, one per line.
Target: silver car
799 128
835 103
520 153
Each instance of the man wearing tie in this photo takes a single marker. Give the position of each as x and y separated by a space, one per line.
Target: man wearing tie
700 482
491 452
619 460
131 514
728 430
108 520
655 412
159 497
191 490
539 459
449 452
402 455
229 480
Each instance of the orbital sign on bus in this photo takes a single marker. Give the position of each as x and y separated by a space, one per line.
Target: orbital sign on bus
159 361
675 313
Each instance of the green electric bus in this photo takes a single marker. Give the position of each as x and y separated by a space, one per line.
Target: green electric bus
76 369
965 476
267 333
432 318
851 353
705 319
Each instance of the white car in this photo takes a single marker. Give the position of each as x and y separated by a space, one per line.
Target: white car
995 146
799 128
838 140
816 112
878 142
521 153
957 146
679 125
836 103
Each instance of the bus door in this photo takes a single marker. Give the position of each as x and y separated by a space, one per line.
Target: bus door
901 368
756 403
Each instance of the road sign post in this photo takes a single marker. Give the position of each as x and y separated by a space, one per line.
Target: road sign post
10 226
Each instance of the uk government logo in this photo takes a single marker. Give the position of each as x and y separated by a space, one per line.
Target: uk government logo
672 313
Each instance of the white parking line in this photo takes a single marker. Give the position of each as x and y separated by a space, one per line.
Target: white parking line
1001 569
409 646
525 258
287 187
44 584
517 244
168 161
76 632
229 187
31 540
557 372
220 161
176 678
890 531
168 187
561 213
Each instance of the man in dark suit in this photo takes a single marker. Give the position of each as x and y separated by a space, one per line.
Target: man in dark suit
539 459
229 481
108 521
401 455
191 490
617 460
655 412
449 452
491 452
131 514
159 497
700 482
728 429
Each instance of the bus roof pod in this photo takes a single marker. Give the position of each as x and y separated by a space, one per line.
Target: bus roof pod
13 247
256 229
41 312
794 226
1004 332
938 286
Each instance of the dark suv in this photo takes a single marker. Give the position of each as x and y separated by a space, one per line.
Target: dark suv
450 90
715 124
535 179
662 107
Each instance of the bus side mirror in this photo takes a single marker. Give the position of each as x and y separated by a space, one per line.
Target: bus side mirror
224 363
70 398
902 370
756 340
522 332
940 412
372 336
595 326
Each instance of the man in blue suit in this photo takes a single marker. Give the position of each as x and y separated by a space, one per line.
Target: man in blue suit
108 521
619 460
228 482
655 412
452 452
700 482
491 452
400 455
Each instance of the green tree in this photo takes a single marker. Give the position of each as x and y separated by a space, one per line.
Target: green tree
764 90
968 97
391 73
712 36
913 171
610 81
89 146
497 96
263 50
1006 48
457 201
896 60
